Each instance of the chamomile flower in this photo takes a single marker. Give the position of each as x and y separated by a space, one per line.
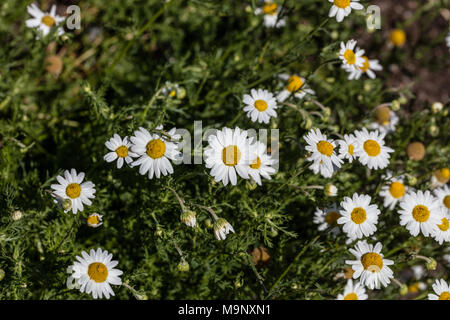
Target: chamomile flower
359 217
72 187
188 218
294 85
260 105
351 57
154 152
327 219
370 265
94 273
229 152
393 191
441 290
170 89
347 147
222 228
120 150
371 150
271 12
443 195
342 8
368 68
442 232
94 220
440 177
322 152
397 37
353 291
44 21
386 120
262 165
420 212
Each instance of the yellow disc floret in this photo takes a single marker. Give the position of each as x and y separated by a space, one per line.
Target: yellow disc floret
48 21
231 155
93 220
98 272
349 56
270 8
256 163
332 217
444 225
372 148
398 37
73 190
341 3
156 148
351 149
444 295
325 148
447 201
122 151
260 105
366 64
397 189
358 215
351 296
372 261
294 83
420 213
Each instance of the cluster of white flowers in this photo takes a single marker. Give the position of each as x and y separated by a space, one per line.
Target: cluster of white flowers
356 63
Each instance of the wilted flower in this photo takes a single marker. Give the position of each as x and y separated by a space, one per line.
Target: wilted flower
222 228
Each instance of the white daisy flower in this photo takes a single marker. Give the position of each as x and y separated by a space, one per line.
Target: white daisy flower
353 292
443 195
262 165
342 8
94 273
370 265
385 124
295 85
359 217
442 232
351 57
260 105
73 188
229 152
155 151
440 177
120 150
368 67
393 191
347 147
442 290
327 219
44 21
420 212
222 228
188 218
170 89
271 15
371 150
94 220
322 151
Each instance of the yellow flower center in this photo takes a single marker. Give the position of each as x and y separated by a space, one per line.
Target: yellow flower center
447 201
398 37
372 262
48 21
342 3
358 215
270 8
294 83
365 65
256 163
156 148
383 115
122 151
332 217
98 272
442 175
73 190
351 296
445 224
351 149
397 189
231 155
444 295
421 213
325 148
413 287
349 55
260 105
93 220
172 93
372 148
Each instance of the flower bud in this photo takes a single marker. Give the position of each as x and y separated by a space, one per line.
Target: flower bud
181 93
330 190
183 266
434 130
2 274
16 215
403 289
66 204
431 265
188 218
437 107
395 105
222 228
412 180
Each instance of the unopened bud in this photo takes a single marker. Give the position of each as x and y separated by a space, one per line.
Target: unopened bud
437 107
188 218
2 274
181 93
16 215
66 204
403 289
434 130
183 266
395 105
330 190
431 265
